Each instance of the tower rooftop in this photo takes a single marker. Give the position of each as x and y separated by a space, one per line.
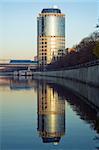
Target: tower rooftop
51 10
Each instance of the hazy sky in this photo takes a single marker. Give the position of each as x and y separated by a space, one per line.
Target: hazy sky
18 24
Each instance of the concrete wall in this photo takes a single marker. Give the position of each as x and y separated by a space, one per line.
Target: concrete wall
89 75
89 94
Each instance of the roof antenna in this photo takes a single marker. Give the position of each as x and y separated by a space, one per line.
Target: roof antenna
55 6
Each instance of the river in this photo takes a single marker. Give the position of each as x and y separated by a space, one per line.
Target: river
38 114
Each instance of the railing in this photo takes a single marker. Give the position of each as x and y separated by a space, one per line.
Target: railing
88 64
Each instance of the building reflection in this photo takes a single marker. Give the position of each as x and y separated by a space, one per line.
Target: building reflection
86 111
23 82
51 114
19 83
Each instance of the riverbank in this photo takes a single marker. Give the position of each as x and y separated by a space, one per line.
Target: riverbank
87 75
87 93
83 81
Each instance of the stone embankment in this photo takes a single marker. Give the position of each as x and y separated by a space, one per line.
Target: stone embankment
83 81
86 74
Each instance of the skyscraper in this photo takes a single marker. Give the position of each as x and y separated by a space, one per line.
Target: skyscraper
50 35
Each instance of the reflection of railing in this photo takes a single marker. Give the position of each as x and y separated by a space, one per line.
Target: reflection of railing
88 64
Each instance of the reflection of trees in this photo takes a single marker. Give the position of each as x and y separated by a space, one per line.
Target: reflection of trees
78 104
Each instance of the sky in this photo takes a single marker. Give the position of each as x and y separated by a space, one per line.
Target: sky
18 24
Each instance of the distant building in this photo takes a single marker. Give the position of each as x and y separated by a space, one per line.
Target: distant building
50 35
35 58
70 50
23 62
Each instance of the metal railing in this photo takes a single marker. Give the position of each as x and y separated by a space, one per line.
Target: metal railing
88 64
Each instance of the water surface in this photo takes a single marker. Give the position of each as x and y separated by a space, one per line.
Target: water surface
42 115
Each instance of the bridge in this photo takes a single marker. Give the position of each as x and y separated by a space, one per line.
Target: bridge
16 65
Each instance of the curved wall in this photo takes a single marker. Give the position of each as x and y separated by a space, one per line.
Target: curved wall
88 76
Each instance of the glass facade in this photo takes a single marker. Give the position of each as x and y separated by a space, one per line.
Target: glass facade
50 35
52 26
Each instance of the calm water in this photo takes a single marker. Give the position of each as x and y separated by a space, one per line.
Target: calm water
40 115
